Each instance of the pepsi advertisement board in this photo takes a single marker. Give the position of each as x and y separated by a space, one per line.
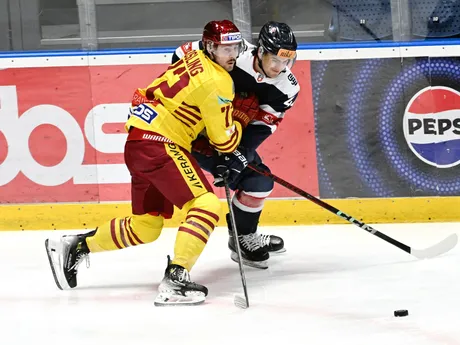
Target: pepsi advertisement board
387 127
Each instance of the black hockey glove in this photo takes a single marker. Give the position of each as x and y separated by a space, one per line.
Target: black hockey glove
228 165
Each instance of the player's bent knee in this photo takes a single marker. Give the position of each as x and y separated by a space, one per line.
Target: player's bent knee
270 184
265 184
202 217
204 213
145 228
208 202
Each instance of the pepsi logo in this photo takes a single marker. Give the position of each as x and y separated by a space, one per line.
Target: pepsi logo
431 126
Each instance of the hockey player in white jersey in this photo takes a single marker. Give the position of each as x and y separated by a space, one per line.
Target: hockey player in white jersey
262 70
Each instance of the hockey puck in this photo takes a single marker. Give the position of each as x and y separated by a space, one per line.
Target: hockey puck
400 313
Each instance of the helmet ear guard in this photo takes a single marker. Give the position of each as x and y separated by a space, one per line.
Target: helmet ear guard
208 46
260 51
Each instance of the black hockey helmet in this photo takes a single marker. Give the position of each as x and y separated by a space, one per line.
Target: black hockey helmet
278 38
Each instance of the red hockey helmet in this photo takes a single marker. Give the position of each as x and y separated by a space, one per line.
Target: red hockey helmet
222 32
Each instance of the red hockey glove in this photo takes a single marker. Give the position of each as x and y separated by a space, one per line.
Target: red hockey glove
245 108
201 145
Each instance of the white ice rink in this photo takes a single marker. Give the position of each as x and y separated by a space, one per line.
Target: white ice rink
335 284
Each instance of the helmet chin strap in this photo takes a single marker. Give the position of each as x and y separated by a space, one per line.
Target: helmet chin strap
261 67
259 61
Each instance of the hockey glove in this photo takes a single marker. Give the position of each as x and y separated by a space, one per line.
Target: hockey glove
228 166
202 146
245 108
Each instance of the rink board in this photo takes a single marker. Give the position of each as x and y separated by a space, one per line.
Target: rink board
343 141
276 212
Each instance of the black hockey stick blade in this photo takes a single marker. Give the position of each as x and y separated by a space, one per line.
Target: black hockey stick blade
430 252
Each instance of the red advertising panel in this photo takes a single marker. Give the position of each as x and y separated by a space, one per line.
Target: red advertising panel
62 136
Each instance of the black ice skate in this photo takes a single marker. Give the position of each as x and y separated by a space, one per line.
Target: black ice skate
275 244
65 256
254 250
176 288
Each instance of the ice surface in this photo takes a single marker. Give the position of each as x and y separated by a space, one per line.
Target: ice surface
336 284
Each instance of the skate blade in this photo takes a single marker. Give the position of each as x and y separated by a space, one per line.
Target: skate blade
167 299
52 250
262 265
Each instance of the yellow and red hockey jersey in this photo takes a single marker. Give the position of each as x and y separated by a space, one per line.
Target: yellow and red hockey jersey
194 95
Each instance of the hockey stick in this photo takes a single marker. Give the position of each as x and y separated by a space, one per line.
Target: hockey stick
239 301
430 252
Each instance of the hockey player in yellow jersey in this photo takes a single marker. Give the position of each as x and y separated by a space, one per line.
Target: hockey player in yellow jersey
200 97
192 96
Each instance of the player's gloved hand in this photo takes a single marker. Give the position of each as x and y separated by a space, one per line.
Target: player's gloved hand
228 166
202 146
245 108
